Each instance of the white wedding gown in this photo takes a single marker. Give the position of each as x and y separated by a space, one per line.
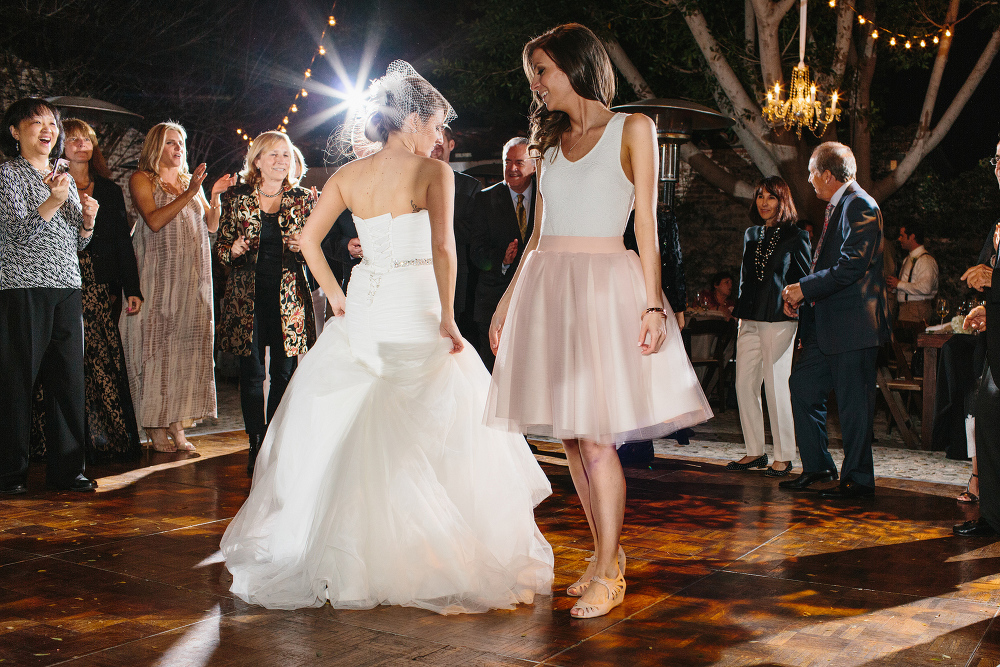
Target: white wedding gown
377 482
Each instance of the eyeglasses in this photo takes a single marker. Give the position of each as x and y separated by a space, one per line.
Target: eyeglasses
994 160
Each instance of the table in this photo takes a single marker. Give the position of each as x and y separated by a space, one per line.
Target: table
930 343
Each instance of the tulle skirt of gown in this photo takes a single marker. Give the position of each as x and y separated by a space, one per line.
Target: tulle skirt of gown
377 482
569 364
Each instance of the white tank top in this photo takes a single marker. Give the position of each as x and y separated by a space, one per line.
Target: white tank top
589 197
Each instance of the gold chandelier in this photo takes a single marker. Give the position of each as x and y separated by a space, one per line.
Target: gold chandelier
802 108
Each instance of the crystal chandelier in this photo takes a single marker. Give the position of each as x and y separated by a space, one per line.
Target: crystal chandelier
802 108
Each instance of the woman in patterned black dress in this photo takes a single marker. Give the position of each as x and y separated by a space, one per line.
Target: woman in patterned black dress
107 268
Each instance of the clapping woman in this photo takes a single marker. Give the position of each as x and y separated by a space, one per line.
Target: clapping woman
775 254
267 303
169 343
43 223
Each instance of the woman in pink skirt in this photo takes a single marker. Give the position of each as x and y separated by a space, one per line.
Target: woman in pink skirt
583 346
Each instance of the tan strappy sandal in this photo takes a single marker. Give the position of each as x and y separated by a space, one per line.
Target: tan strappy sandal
616 594
577 588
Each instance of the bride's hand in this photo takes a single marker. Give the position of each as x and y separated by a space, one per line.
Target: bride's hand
450 330
496 327
338 303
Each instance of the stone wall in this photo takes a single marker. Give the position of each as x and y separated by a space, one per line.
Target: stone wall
711 222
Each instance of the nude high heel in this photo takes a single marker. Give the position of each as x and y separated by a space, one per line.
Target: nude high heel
616 594
577 588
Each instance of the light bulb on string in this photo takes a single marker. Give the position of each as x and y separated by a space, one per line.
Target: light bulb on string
923 43
947 33
861 19
285 120
294 109
331 21
936 40
322 50
239 131
874 34
304 93
907 45
892 41
309 73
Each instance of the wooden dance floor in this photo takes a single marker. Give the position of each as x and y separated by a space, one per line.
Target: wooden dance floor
723 569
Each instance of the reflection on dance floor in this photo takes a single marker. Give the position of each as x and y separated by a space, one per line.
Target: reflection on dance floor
723 569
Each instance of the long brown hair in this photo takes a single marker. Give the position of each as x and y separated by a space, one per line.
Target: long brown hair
98 165
777 186
580 54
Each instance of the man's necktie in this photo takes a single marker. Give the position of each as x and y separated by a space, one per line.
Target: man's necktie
522 217
822 237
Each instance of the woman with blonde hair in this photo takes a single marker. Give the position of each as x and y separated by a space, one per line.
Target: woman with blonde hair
169 343
267 303
584 349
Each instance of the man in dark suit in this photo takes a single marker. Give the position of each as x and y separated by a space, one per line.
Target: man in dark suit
843 320
502 223
987 399
466 189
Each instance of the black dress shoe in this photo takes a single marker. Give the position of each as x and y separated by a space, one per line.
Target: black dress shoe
81 484
803 481
778 472
14 490
848 490
256 440
974 528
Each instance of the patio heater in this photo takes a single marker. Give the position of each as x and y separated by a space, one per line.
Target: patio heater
676 121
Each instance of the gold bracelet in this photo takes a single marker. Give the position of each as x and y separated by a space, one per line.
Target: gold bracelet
652 310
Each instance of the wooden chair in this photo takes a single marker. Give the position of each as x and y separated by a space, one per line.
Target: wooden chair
717 361
895 379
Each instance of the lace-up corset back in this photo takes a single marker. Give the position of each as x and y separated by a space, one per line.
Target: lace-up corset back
389 242
591 196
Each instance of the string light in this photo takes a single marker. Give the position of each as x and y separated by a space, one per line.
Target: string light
908 40
331 21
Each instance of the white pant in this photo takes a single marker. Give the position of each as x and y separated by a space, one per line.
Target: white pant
764 355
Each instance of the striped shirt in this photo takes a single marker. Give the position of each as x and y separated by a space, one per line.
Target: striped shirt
35 252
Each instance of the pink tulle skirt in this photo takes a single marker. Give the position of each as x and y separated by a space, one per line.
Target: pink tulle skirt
569 363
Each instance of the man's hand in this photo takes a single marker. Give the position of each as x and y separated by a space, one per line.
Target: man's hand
354 248
978 277
511 253
792 295
892 281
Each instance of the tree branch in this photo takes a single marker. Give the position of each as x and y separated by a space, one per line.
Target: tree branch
715 174
628 70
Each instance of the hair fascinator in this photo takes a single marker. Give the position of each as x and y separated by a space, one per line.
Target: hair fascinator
390 101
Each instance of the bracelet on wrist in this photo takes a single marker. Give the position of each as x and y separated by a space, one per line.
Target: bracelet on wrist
88 229
653 310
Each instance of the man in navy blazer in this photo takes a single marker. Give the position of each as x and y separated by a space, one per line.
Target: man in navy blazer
843 320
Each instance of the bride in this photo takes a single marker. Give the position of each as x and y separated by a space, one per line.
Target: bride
378 483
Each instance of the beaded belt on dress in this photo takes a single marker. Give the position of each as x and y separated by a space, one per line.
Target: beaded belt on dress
400 263
378 271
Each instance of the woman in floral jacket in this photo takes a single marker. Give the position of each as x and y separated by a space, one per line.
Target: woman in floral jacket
267 302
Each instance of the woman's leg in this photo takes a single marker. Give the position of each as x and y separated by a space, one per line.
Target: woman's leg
606 496
280 371
778 348
582 486
160 441
749 375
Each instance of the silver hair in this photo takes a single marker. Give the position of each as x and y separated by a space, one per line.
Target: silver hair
836 158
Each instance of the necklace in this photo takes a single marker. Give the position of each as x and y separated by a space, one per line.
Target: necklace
763 255
264 194
81 188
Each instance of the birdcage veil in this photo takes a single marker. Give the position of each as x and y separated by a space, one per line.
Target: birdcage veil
391 99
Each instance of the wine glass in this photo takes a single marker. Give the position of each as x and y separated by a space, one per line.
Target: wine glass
941 309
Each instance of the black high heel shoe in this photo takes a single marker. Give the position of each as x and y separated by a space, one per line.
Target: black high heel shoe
771 472
759 462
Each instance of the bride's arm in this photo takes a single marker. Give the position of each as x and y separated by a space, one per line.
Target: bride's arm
325 213
500 316
441 211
